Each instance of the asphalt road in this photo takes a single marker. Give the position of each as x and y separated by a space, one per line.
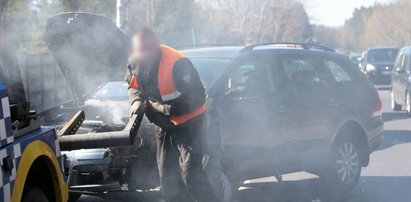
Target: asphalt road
387 178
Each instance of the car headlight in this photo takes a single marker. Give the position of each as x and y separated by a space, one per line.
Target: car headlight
370 68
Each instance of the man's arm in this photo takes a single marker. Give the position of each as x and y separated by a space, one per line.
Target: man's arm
135 96
188 83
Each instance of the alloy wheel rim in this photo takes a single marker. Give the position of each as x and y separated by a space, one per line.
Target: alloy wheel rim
348 163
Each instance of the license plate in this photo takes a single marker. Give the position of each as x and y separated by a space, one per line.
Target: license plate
386 72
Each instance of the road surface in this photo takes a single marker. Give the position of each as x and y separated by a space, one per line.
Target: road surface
386 179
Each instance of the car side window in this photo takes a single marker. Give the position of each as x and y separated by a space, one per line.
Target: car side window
340 73
251 78
300 72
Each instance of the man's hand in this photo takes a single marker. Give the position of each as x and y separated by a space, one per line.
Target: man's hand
159 107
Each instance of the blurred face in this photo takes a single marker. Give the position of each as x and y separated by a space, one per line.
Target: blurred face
146 49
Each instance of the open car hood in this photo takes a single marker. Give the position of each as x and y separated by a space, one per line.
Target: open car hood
89 49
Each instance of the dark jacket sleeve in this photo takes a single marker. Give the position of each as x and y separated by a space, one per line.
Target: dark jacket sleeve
133 93
188 83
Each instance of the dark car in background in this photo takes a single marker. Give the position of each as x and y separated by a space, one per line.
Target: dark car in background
401 81
283 107
378 62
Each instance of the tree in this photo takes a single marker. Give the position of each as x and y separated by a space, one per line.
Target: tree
3 7
237 21
171 20
327 36
352 33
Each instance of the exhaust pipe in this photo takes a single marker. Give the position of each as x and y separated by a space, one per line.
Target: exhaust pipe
68 141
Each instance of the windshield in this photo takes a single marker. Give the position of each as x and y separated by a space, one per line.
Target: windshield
112 91
382 55
208 68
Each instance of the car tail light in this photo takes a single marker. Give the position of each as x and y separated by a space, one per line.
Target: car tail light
378 107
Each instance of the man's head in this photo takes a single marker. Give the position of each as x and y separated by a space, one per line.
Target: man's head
146 46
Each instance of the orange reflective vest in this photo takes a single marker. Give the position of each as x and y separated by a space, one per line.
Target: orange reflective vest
166 86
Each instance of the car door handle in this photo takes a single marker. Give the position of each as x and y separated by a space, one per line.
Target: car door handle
283 109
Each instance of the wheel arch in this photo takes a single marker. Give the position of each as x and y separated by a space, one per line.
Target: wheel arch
355 130
38 156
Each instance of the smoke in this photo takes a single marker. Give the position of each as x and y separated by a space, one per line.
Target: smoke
258 131
89 49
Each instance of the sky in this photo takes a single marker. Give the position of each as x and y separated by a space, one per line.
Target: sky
335 12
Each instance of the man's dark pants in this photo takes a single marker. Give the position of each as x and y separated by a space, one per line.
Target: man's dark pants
179 160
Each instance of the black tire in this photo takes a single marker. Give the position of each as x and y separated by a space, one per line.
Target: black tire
394 105
34 194
343 168
223 189
219 181
73 197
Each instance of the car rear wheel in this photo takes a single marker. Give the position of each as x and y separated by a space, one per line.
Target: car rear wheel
222 188
34 194
220 183
394 105
344 167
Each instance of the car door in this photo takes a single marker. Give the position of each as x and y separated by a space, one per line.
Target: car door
394 75
399 78
307 104
344 89
250 113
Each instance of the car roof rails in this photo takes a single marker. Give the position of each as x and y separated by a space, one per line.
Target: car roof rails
306 46
192 46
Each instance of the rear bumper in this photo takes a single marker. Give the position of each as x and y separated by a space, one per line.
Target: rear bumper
375 137
96 188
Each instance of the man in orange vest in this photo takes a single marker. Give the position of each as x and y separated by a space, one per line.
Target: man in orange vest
164 81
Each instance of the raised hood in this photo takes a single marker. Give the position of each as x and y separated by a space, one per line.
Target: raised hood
89 49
